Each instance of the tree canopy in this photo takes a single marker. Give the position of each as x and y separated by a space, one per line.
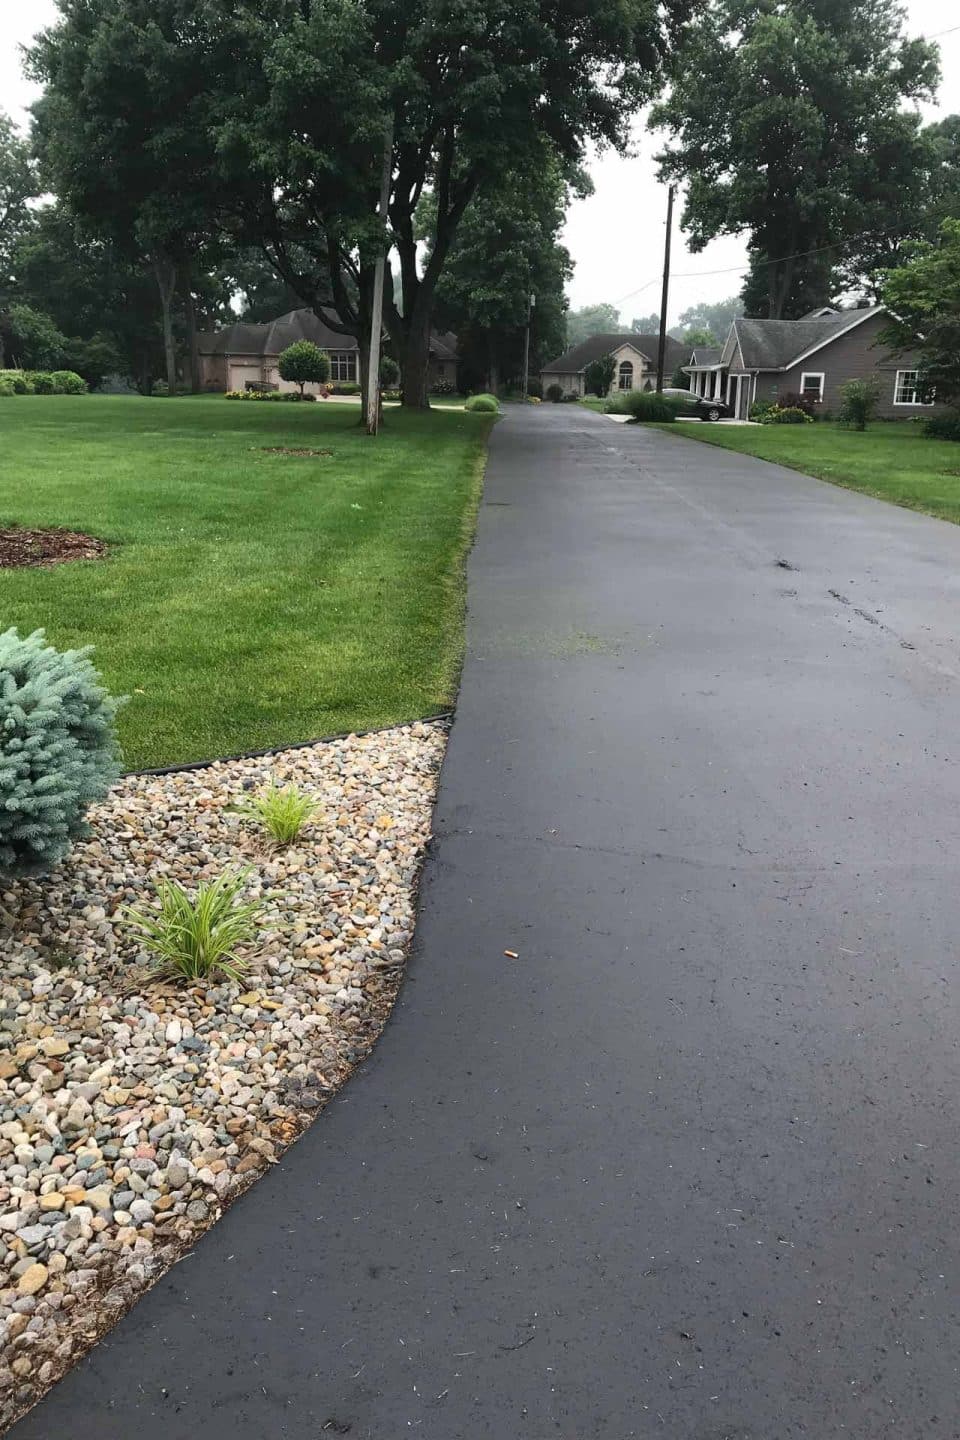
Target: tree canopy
159 114
601 319
923 299
787 121
506 250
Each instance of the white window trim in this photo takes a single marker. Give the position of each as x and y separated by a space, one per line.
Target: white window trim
909 404
806 375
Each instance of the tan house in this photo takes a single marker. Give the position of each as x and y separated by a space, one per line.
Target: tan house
243 356
635 362
815 356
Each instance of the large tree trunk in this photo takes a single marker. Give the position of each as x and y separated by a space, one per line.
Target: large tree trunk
166 273
415 361
191 310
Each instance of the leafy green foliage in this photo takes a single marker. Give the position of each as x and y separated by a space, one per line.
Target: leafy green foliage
32 339
389 372
283 811
483 404
598 376
553 393
507 248
58 753
789 124
18 185
858 402
923 300
304 363
786 415
198 939
643 407
714 317
945 426
602 319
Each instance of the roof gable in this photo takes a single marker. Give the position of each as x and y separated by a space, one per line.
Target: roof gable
595 347
781 344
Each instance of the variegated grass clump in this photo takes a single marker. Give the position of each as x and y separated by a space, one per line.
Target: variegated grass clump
198 939
283 811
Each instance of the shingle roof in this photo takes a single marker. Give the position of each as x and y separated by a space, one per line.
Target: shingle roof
273 337
578 357
777 344
706 355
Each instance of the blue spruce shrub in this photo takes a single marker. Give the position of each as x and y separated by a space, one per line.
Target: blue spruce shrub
58 750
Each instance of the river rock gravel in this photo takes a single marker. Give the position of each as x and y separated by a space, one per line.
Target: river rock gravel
133 1110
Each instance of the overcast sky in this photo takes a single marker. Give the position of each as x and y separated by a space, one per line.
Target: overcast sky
616 236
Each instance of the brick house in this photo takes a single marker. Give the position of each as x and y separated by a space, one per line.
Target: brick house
762 360
635 362
241 355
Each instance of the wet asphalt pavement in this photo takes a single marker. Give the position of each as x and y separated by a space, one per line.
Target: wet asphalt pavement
688 1167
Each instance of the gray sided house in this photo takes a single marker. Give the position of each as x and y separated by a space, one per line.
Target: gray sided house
635 362
244 355
763 360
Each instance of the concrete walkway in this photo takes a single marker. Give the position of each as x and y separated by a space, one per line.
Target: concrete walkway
689 1165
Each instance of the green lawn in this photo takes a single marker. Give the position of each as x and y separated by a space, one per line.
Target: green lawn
248 599
892 460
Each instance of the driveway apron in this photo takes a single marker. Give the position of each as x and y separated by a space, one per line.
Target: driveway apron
685 1163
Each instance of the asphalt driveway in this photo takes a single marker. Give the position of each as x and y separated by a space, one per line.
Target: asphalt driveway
688 1166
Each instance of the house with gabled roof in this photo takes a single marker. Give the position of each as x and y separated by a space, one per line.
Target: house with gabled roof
241 355
763 360
635 362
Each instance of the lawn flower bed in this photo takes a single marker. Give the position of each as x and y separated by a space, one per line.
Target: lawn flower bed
134 1109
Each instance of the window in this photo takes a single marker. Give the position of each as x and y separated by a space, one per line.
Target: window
343 366
811 385
625 377
906 390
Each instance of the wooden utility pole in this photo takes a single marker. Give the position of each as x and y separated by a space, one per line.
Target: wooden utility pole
376 321
665 294
526 347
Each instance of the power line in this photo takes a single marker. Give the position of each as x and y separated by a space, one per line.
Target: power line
742 269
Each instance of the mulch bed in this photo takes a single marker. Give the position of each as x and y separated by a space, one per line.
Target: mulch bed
21 547
283 450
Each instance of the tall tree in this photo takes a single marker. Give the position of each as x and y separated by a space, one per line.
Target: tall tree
714 316
646 324
123 133
923 300
506 250
772 111
909 190
601 319
18 185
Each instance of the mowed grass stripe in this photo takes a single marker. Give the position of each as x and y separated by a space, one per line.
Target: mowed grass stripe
249 599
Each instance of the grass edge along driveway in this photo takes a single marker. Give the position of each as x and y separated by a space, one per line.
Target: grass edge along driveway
891 460
249 599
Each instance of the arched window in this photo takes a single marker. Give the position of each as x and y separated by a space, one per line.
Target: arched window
625 381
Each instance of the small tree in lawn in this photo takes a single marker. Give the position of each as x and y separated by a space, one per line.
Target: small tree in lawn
858 403
598 376
304 363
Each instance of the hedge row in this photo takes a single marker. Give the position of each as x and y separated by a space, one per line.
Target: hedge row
41 382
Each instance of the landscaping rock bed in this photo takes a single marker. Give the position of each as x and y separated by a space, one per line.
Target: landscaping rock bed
133 1111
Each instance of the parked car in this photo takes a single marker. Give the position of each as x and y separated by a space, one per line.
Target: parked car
697 407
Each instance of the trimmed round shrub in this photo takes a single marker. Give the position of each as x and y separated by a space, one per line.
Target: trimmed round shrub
553 393
788 415
304 363
58 750
43 383
389 373
483 404
68 382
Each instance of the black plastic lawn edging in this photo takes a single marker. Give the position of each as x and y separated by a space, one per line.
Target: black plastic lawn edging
444 716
